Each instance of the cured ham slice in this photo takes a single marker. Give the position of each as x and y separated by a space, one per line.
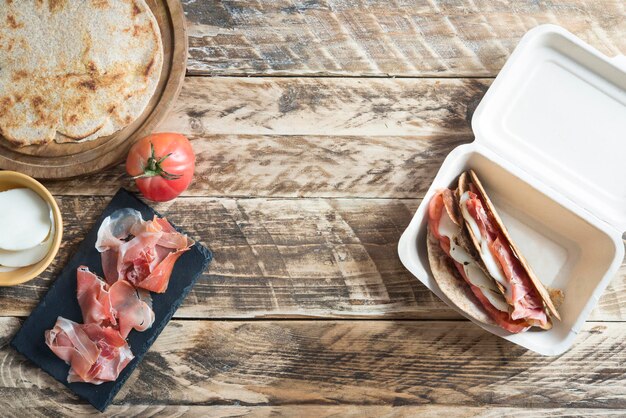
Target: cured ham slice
159 263
120 305
71 344
133 307
171 238
95 354
116 227
114 355
93 298
141 252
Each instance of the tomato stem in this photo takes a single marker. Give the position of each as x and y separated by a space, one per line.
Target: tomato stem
153 167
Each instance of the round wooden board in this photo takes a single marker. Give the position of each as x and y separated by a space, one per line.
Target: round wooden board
55 161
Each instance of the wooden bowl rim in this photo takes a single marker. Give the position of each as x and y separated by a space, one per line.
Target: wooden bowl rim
66 166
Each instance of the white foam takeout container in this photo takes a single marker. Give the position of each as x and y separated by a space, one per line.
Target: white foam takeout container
550 149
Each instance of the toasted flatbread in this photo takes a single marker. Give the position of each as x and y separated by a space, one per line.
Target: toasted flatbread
75 70
451 284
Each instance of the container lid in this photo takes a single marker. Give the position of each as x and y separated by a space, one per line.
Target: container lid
557 110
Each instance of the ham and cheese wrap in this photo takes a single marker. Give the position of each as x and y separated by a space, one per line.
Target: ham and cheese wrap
478 267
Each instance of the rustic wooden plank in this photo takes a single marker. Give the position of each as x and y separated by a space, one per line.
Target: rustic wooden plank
297 166
325 106
318 258
306 411
381 38
269 363
312 137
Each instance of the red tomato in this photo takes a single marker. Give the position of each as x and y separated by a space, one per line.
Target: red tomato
162 165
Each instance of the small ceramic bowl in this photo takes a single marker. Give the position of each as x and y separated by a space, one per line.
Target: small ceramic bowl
11 180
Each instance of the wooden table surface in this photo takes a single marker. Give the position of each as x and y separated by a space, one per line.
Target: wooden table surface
318 127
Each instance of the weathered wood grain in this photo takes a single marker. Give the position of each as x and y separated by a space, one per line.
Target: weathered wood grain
381 38
373 363
298 166
308 411
318 258
325 106
364 151
312 137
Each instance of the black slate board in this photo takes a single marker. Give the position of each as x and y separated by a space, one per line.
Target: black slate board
61 301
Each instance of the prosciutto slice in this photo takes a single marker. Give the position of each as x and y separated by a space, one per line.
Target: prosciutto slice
116 227
133 307
141 252
95 354
93 298
121 305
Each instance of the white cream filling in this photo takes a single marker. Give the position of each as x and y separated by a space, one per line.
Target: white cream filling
474 273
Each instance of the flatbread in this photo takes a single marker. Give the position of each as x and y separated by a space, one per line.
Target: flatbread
75 70
451 285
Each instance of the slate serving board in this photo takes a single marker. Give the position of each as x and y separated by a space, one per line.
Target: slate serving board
61 301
